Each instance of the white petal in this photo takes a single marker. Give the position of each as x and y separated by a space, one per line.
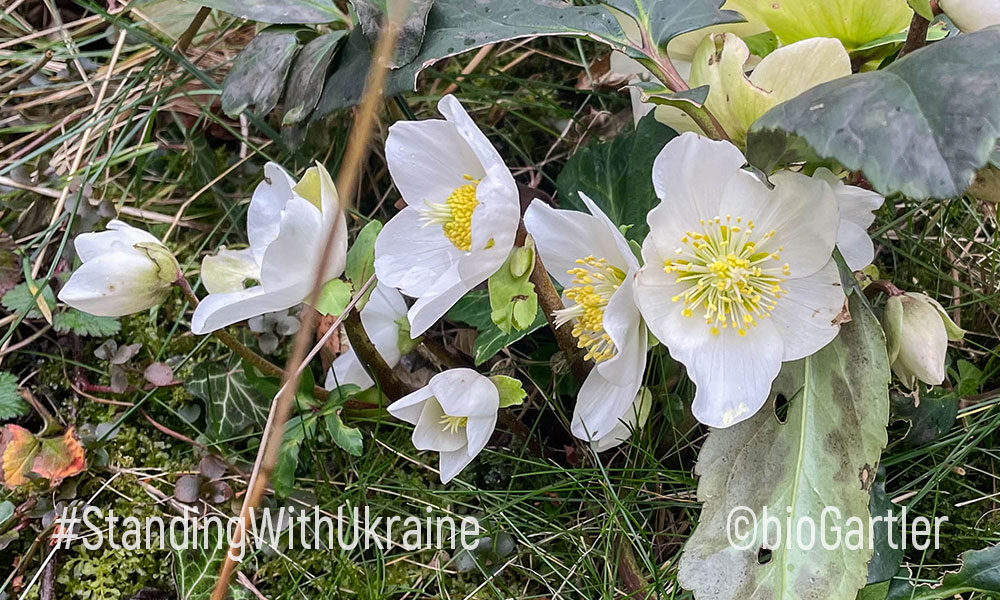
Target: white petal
264 213
654 290
119 237
227 270
634 419
564 236
431 434
623 324
291 258
409 407
411 257
452 463
855 245
489 158
465 393
347 370
115 284
478 431
332 217
690 175
494 226
805 317
380 318
430 307
428 160
221 310
623 259
733 374
600 404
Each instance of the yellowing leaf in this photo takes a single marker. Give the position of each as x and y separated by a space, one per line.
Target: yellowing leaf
24 455
59 458
19 449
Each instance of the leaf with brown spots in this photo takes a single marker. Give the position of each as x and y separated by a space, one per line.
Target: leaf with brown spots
824 454
59 458
26 457
19 448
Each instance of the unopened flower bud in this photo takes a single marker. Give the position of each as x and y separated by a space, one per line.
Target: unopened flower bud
917 331
972 15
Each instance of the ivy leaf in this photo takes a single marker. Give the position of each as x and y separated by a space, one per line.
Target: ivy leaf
305 83
21 300
474 309
334 297
11 403
232 404
513 300
617 175
84 324
196 566
457 26
922 126
360 264
347 438
666 19
980 572
823 454
258 74
411 31
283 12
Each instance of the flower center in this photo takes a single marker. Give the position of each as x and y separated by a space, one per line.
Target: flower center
732 279
594 282
453 424
454 215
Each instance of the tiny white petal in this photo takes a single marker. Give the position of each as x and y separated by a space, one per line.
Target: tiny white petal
347 370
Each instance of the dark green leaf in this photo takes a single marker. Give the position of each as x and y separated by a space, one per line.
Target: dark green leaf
371 15
283 12
929 419
980 572
361 259
617 175
259 71
922 126
84 324
296 432
232 404
474 309
11 403
305 83
666 19
885 559
196 566
823 454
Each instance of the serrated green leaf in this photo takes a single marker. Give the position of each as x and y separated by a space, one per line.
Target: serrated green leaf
664 20
922 126
510 389
334 297
457 26
21 300
284 12
347 438
305 80
474 309
297 430
361 259
84 324
232 404
11 403
824 454
617 175
980 572
513 301
258 74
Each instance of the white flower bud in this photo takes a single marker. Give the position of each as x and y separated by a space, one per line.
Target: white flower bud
972 15
125 270
917 331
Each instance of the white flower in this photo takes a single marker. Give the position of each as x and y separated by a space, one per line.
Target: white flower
917 331
593 262
857 206
972 15
634 419
287 223
381 317
125 270
737 277
461 217
455 414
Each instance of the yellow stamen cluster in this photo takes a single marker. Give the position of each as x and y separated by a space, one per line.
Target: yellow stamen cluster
453 424
594 282
455 214
733 279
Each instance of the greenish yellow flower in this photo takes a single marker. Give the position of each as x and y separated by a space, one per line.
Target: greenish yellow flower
853 22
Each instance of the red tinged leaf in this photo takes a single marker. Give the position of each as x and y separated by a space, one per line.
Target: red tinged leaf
24 457
19 447
60 458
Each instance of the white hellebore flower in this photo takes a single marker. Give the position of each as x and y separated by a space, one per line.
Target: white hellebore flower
972 15
125 270
591 259
917 331
461 217
382 317
737 277
634 419
857 206
287 224
454 414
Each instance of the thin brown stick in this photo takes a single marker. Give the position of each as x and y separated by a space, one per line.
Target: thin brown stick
916 37
381 372
357 149
192 30
27 74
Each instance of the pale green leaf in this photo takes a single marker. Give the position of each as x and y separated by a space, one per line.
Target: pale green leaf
334 297
824 454
510 389
11 403
513 301
361 259
21 300
347 438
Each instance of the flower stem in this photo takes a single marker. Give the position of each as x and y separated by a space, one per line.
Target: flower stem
881 285
916 37
381 372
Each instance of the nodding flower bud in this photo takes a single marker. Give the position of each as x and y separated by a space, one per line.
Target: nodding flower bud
917 331
972 15
125 270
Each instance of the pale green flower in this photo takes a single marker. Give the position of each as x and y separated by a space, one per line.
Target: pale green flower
853 22
917 331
